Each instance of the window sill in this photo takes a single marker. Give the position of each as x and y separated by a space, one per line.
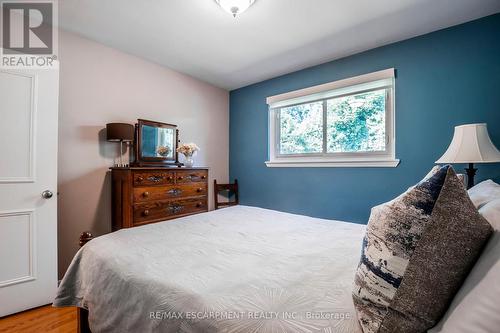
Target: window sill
392 163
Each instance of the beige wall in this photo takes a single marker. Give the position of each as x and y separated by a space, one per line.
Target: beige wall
99 85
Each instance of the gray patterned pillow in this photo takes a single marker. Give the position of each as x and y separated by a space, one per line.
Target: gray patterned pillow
417 251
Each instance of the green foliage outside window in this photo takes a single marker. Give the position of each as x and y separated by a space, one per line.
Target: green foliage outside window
301 129
355 123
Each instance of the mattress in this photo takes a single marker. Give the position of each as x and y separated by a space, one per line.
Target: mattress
239 269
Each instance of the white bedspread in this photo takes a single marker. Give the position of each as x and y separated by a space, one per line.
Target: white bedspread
239 269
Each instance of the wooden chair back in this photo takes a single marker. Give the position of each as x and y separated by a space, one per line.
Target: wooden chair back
228 188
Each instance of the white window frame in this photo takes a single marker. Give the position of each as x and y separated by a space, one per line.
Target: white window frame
384 79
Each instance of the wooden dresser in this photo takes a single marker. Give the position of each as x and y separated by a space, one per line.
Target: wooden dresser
142 195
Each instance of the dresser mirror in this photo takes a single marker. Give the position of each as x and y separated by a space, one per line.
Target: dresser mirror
156 143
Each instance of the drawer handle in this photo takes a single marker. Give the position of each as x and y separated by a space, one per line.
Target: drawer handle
140 179
175 208
199 190
196 176
180 178
145 212
199 204
169 178
155 179
145 194
174 191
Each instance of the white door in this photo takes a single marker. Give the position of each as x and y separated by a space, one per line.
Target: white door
28 167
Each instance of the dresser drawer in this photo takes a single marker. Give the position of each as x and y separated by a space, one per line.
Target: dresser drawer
142 195
151 193
153 178
163 210
191 176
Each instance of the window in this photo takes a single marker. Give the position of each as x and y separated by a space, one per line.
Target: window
343 123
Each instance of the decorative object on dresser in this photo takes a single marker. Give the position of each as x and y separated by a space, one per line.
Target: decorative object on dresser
120 132
142 195
471 144
188 150
156 144
228 189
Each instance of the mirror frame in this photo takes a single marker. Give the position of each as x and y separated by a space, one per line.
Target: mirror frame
154 161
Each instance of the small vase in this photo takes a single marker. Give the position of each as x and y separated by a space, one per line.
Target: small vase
189 162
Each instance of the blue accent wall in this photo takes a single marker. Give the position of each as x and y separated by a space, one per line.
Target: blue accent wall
445 78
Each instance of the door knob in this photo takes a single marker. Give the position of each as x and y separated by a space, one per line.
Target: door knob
47 194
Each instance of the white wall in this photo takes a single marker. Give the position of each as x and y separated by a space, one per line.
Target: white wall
99 85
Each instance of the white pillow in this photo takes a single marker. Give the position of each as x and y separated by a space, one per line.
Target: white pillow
476 306
491 212
484 192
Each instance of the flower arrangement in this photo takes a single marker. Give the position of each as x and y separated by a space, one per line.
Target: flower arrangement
163 150
188 149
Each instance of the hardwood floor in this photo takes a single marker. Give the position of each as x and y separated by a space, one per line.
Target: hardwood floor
45 319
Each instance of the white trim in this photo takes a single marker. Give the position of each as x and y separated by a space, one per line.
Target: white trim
333 164
371 80
32 244
32 132
387 158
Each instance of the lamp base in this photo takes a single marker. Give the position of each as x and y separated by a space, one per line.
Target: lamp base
471 172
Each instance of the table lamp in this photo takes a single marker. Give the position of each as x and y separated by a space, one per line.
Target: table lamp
470 144
120 132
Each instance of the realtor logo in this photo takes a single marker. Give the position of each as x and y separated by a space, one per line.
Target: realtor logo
27 27
28 33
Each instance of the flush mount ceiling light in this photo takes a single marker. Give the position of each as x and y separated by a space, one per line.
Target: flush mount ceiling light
235 7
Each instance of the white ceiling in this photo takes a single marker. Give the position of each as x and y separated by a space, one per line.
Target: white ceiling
273 37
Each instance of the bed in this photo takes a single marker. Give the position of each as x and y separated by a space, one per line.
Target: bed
239 269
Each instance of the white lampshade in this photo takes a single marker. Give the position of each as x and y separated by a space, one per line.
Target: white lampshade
471 144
